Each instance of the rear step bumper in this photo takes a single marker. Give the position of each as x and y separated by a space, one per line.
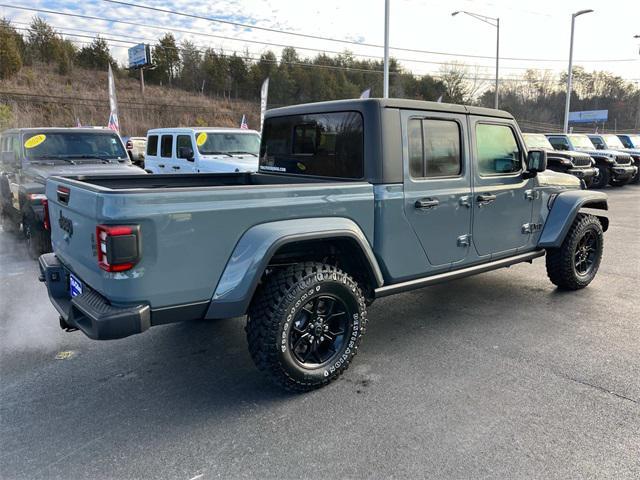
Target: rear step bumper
90 312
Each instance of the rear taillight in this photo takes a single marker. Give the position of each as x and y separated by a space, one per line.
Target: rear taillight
118 247
129 145
45 222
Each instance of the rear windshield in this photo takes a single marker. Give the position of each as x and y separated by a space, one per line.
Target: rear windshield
322 144
211 143
73 145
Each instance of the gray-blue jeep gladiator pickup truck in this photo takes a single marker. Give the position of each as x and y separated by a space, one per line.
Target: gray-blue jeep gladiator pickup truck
354 200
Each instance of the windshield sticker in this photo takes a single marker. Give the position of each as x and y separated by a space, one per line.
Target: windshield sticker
201 139
35 141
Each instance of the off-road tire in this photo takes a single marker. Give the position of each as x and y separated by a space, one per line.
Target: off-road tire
273 313
604 176
636 178
561 262
36 237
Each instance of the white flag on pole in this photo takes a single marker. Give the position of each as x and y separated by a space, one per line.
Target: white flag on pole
439 99
114 123
264 93
366 93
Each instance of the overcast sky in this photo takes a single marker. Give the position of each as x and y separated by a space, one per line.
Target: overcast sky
528 29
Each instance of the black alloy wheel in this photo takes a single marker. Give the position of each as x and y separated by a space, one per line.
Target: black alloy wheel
319 331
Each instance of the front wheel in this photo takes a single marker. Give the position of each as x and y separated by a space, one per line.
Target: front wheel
574 265
603 177
305 325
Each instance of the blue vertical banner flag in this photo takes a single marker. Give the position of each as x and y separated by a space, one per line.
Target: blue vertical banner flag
264 93
114 123
243 123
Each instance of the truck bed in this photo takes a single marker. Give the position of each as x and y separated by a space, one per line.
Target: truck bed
189 225
104 183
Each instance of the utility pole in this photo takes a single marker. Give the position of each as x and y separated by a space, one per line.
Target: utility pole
385 87
567 104
142 81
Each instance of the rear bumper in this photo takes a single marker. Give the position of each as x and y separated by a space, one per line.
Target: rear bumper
584 173
90 311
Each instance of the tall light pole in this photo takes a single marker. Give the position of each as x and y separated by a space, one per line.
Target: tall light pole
494 22
570 73
385 87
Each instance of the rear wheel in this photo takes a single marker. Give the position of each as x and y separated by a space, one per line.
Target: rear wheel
305 325
575 264
603 177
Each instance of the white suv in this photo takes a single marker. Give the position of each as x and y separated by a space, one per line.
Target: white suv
202 150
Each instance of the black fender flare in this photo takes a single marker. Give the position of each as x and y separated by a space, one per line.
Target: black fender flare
564 207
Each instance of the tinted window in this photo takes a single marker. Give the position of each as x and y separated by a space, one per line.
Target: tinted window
559 143
183 141
434 148
597 141
166 146
79 145
498 151
152 145
323 144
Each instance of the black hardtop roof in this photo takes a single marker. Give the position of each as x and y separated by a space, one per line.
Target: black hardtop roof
403 104
58 130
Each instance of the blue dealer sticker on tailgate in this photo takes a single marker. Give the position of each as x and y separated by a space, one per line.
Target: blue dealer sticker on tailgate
75 286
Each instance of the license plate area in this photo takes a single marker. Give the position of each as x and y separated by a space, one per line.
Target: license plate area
75 286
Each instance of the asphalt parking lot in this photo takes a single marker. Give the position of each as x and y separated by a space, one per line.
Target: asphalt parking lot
494 376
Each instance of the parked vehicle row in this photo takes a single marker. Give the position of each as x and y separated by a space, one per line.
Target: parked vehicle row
353 200
28 156
598 160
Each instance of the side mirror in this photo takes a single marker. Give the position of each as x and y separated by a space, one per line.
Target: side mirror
9 159
536 162
186 153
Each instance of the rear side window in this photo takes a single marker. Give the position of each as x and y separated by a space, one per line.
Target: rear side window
323 144
152 145
166 146
434 148
497 150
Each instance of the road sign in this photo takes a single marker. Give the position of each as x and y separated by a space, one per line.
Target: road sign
589 116
139 56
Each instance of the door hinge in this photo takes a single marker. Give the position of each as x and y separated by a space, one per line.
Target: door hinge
464 240
465 201
530 194
531 227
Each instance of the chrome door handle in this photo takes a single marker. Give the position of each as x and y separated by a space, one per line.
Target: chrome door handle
425 203
464 202
485 199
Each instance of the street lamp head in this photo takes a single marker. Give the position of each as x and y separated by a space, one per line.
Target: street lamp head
582 12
